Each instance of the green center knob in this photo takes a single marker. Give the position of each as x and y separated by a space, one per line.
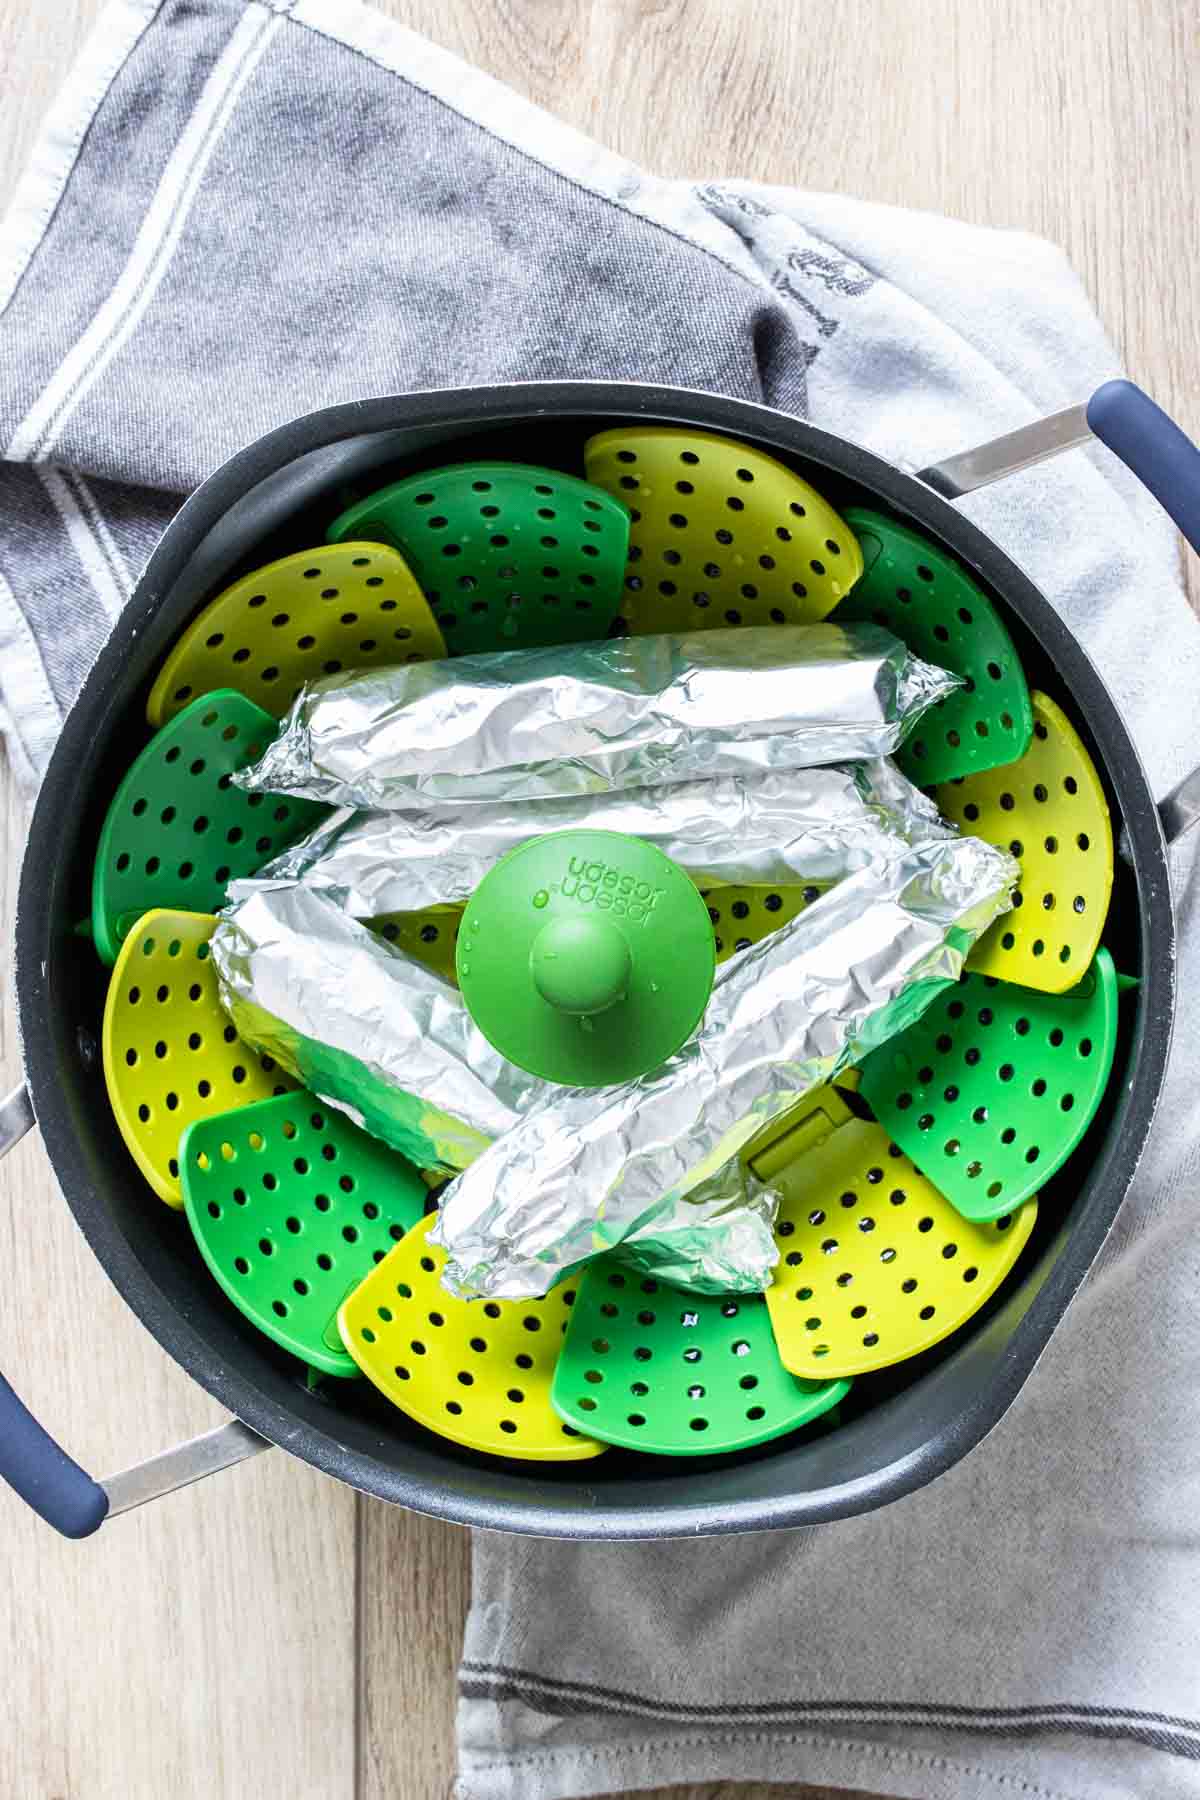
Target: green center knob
586 957
581 966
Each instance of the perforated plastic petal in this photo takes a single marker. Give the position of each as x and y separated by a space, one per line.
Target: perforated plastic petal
292 1205
170 1054
993 1087
476 1372
1049 809
922 595
178 831
722 533
742 916
650 1367
509 556
430 936
349 606
875 1264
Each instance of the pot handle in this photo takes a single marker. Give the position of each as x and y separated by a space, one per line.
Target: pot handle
1123 418
43 1474
50 1481
1166 461
1149 443
1163 457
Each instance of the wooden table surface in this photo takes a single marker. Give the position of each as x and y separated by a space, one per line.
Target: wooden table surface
266 1632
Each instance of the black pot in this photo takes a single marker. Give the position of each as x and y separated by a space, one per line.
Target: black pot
910 1425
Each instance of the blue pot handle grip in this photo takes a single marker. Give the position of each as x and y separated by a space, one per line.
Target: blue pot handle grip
43 1474
30 1460
46 1478
1163 458
1166 461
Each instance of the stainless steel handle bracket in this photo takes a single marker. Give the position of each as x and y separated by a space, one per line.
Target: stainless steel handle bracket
1181 808
1008 455
208 1454
16 1118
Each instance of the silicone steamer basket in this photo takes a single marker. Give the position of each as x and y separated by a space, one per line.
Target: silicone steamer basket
349 606
875 1264
508 556
586 957
478 1372
722 534
922 595
993 1087
1049 810
650 1367
292 1205
170 1054
178 831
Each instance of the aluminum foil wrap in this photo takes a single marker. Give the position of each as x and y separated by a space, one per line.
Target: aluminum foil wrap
368 1028
788 827
380 1036
587 719
717 1239
583 1169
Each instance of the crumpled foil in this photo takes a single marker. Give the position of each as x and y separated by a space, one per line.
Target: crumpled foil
717 1239
583 1169
378 1035
788 827
587 719
368 1028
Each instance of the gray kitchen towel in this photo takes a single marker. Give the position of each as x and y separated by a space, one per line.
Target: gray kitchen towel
244 209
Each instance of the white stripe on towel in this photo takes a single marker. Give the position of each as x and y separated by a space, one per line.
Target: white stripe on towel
39 431
31 715
90 537
40 189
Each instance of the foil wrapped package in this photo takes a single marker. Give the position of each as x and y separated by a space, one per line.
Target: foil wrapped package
587 719
378 1035
785 828
583 1170
717 1239
368 1028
